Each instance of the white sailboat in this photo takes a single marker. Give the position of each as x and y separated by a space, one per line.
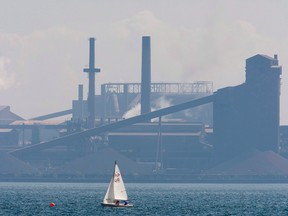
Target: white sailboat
116 195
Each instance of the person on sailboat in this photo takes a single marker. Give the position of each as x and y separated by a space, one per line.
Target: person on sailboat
117 203
125 202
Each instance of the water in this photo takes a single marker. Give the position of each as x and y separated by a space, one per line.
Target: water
148 199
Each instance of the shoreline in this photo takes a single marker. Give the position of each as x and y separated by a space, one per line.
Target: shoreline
156 179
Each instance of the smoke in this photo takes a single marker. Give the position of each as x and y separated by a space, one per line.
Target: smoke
160 103
212 47
134 111
38 57
6 79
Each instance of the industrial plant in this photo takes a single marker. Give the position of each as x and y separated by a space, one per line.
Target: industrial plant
166 132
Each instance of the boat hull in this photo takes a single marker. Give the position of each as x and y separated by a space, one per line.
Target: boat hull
116 206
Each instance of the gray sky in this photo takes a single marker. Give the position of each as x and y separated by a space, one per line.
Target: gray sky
44 45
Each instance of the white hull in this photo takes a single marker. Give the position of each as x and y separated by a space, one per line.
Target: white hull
114 205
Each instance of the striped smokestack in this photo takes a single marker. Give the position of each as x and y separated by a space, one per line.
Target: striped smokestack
146 75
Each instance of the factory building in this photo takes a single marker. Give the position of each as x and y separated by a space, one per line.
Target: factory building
7 117
8 136
169 145
246 117
180 129
178 143
122 100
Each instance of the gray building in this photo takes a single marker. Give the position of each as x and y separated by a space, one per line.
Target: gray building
246 117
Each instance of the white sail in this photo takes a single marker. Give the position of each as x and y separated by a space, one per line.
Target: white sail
116 189
119 188
109 196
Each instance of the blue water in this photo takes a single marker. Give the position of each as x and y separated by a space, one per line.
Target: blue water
148 199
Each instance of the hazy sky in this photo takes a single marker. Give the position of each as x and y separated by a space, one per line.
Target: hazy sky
44 45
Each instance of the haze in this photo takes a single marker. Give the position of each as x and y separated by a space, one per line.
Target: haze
44 45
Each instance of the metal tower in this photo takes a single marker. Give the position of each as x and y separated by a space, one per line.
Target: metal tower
91 94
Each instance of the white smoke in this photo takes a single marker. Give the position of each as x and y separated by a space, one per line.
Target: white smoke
160 103
6 79
134 111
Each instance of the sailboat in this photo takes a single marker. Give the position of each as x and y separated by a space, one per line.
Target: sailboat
116 195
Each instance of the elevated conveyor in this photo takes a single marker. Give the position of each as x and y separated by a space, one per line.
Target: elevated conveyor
53 115
72 138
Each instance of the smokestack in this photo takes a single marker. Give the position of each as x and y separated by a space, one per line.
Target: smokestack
80 99
146 75
80 92
91 94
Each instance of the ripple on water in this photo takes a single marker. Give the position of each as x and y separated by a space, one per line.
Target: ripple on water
148 199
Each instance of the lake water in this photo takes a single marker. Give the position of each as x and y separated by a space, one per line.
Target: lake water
148 199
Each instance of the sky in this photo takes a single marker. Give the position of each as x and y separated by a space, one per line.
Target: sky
44 45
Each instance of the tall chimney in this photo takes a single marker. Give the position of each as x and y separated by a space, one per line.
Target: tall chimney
91 94
80 92
146 75
80 100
